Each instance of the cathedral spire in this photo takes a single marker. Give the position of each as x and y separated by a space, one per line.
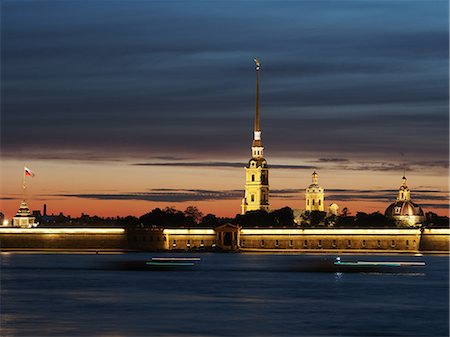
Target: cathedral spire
314 178
256 196
257 127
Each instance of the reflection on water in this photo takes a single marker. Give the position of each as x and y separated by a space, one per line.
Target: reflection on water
221 295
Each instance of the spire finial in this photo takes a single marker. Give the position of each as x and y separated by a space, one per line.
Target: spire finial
257 118
314 177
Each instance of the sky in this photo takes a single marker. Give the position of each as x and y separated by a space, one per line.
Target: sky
123 106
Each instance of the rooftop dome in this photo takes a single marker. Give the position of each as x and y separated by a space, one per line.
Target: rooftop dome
403 208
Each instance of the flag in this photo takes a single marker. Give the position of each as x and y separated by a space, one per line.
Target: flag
28 172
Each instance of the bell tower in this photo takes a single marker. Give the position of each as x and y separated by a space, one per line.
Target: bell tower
314 195
256 172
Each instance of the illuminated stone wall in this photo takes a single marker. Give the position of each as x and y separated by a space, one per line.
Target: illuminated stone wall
330 239
249 239
63 238
189 239
436 239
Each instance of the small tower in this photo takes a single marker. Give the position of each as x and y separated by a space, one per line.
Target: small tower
256 172
404 193
314 195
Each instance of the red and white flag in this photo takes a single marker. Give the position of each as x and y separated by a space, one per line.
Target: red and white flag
28 172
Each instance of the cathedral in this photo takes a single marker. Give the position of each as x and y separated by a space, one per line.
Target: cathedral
256 172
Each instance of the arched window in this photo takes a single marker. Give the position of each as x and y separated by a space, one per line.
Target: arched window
253 177
313 202
319 201
253 197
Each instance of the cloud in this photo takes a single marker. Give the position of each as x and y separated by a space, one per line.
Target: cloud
192 195
356 81
222 164
331 160
164 195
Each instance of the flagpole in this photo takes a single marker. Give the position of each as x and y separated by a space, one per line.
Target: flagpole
24 186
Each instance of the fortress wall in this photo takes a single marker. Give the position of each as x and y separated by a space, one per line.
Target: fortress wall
435 240
331 239
189 238
146 239
63 238
412 240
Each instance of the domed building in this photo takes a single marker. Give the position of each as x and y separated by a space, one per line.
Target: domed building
404 211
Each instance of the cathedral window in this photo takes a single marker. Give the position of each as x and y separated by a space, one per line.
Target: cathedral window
319 201
313 202
253 197
307 202
253 177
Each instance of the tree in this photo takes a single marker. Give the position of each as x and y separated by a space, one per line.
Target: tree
313 218
255 219
434 220
331 220
345 212
283 217
194 213
210 221
169 217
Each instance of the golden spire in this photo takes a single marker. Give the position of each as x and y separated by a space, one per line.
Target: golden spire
257 128
257 118
314 178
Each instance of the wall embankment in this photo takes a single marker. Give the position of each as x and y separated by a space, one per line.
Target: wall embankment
294 240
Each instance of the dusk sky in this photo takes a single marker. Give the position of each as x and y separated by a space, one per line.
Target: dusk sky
123 106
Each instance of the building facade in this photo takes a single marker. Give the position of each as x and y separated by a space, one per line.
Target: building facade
257 171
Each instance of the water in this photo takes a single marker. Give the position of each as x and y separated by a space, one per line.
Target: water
225 295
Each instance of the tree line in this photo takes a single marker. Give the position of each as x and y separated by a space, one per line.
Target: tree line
170 217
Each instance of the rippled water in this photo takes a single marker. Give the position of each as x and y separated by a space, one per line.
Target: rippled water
225 295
